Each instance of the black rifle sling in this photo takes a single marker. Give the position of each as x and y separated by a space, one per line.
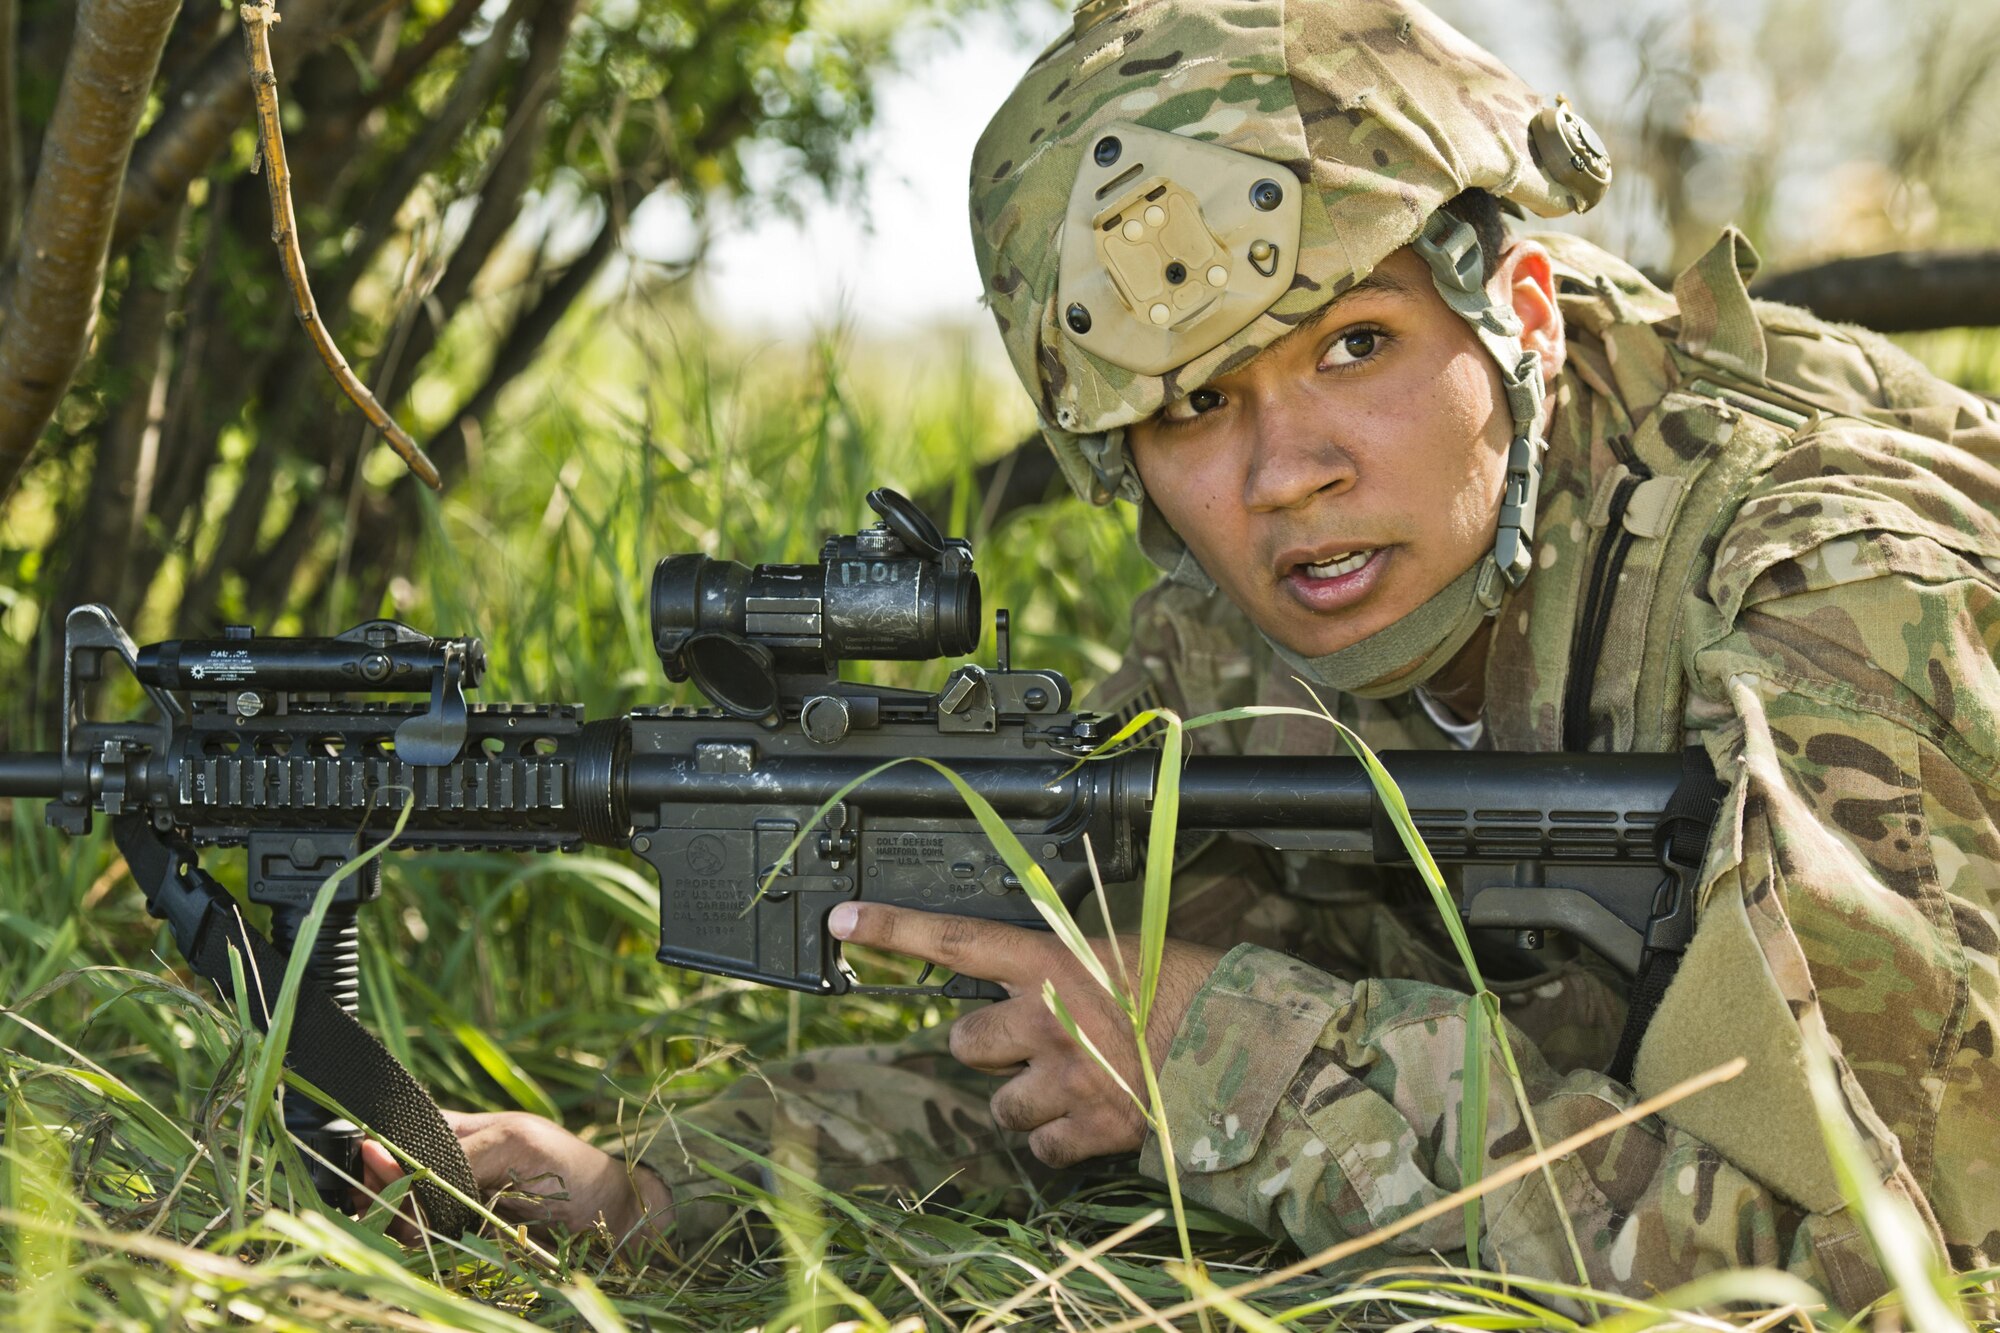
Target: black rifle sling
1594 621
328 1047
1682 839
1656 973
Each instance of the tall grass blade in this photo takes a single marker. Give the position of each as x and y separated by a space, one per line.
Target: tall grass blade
1212 1297
1159 887
41 1255
1082 1038
1472 1114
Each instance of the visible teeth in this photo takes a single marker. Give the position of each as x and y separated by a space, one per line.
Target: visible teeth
1333 569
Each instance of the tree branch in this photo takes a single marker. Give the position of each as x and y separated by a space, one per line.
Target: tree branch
196 123
10 130
67 229
469 97
257 21
500 194
1903 292
408 63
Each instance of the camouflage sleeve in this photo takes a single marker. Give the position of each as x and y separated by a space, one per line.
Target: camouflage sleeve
1320 1110
1846 672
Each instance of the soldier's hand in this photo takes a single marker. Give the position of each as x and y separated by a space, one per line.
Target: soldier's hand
1057 1093
546 1177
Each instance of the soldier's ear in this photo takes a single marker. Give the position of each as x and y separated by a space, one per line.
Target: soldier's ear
1528 277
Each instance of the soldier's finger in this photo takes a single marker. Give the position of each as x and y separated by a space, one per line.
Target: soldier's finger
378 1166
1060 1143
999 1037
986 949
380 1169
1030 1100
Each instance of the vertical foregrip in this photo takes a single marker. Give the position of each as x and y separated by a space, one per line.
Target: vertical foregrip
335 965
335 968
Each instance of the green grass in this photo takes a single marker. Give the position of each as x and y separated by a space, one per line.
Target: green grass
135 1192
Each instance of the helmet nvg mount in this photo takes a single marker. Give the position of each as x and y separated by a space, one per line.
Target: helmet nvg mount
1175 184
1153 273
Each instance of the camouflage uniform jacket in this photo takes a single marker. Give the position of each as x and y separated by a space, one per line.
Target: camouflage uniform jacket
1809 592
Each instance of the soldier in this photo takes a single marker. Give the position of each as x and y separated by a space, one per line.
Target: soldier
1478 490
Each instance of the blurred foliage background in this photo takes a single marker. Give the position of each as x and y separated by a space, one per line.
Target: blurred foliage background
467 173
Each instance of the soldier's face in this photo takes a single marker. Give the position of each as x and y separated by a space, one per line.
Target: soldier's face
1352 469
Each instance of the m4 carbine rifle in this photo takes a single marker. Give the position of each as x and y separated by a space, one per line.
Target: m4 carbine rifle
301 750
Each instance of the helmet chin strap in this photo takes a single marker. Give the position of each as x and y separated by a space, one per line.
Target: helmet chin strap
1458 271
1402 656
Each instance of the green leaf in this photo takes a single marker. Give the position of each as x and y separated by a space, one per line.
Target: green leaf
1472 1116
1159 868
1077 1035
505 1071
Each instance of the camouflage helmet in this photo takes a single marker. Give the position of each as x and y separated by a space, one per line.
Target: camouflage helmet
1351 122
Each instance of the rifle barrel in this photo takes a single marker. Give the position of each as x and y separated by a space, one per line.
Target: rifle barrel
31 774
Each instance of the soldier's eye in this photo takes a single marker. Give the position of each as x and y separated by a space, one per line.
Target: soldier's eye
1183 410
1352 348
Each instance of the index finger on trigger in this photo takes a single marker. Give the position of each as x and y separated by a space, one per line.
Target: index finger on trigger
963 944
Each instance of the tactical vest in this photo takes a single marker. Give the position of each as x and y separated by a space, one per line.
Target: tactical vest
1692 397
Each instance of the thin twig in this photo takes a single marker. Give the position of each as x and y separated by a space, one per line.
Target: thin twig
257 21
1507 1175
104 883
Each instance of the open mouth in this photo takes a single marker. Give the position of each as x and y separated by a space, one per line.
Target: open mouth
1338 580
1337 566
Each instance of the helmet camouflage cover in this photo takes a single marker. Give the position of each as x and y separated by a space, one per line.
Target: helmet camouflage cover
1127 260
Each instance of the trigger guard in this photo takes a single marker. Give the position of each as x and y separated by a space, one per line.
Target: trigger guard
963 987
